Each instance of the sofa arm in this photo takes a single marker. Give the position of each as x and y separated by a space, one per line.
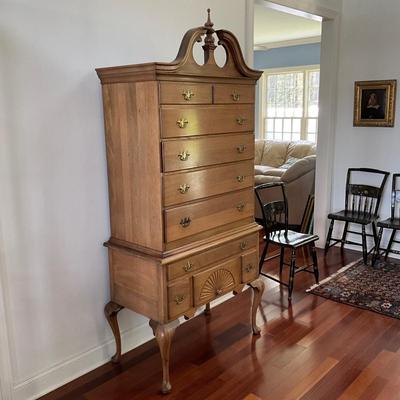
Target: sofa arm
299 168
259 179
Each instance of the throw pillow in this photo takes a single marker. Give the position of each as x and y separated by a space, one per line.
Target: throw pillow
289 162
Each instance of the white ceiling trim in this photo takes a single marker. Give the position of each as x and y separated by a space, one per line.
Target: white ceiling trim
287 43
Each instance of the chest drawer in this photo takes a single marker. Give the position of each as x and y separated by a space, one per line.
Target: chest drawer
249 263
185 93
179 298
186 186
190 219
190 265
203 120
225 94
216 281
191 153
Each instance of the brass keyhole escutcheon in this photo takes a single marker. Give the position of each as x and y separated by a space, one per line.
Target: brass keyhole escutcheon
185 222
240 149
218 291
240 207
179 299
249 267
182 122
184 155
240 120
188 266
187 94
243 245
240 178
235 96
184 188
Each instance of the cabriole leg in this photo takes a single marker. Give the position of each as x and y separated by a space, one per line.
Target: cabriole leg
111 311
258 287
164 334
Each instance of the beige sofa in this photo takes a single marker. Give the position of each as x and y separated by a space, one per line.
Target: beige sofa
292 163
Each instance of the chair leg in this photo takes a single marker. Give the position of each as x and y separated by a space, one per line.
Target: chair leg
315 262
390 244
374 233
364 244
264 253
281 260
291 273
344 236
377 247
329 236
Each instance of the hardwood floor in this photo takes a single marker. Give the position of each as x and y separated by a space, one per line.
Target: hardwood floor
314 350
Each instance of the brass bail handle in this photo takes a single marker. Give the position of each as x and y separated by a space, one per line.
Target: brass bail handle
185 222
240 120
235 96
241 148
184 188
182 122
188 266
188 94
240 178
184 155
179 299
240 207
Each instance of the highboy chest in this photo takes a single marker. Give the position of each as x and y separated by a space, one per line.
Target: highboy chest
180 155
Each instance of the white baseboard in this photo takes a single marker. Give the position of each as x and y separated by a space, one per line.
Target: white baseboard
70 369
79 365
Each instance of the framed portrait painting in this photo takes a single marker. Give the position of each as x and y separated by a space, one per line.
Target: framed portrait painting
374 103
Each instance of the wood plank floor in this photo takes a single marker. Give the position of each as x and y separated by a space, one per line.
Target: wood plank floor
314 350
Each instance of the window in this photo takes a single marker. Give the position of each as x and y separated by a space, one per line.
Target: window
289 106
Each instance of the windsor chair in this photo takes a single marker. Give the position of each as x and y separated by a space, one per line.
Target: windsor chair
361 207
392 223
275 222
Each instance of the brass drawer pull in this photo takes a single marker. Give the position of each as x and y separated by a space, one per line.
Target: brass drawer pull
243 244
240 149
235 96
187 94
184 155
249 268
218 291
188 267
179 299
182 122
240 120
184 188
185 222
240 207
240 178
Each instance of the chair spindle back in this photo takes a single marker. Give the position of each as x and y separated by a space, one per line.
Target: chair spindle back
395 211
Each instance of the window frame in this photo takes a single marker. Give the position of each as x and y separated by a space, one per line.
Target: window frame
306 69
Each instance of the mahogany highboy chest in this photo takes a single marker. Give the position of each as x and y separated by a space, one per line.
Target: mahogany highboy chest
180 154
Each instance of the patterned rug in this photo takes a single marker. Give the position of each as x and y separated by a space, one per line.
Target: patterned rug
372 288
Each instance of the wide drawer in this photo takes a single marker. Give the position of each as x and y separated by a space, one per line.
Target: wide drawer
185 93
189 265
216 281
203 120
179 298
225 94
190 219
190 153
186 186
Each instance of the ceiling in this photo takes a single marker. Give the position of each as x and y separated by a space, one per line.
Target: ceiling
273 28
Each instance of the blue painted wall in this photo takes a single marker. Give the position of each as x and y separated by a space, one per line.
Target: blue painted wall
293 56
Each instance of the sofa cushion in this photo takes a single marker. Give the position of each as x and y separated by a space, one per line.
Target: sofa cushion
301 149
267 170
299 168
274 153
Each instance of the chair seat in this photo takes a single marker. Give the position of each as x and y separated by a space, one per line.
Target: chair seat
292 238
390 223
353 216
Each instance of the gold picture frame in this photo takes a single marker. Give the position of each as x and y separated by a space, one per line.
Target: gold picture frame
374 103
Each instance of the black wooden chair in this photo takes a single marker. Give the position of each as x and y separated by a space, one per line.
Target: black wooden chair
361 207
392 223
275 222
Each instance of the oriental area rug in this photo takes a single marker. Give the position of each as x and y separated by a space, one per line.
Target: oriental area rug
372 288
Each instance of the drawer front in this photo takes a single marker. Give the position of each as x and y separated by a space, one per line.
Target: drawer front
216 281
249 263
226 94
191 153
179 298
190 219
189 265
187 186
204 120
185 93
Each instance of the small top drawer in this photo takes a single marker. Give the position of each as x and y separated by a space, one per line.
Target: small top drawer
227 94
185 93
198 261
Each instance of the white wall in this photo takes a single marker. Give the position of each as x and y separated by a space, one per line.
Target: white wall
368 43
54 207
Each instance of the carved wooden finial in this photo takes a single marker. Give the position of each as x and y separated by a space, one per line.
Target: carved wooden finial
209 45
